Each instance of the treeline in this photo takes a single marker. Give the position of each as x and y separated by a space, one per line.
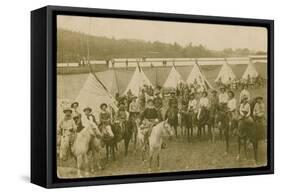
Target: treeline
73 46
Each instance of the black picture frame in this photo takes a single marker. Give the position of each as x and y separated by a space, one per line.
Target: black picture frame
43 97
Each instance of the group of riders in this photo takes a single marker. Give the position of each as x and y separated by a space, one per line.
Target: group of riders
181 107
251 82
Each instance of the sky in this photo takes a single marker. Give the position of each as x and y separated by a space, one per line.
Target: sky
212 36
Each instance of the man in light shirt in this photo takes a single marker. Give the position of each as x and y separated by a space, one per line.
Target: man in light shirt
203 103
244 93
223 96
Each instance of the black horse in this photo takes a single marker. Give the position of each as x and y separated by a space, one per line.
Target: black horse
122 131
202 122
249 131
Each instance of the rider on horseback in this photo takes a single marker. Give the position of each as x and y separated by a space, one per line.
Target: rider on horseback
67 127
122 116
105 121
149 118
232 112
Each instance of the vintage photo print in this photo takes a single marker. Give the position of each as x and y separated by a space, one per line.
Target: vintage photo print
142 96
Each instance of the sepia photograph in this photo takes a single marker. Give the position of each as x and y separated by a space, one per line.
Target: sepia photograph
138 96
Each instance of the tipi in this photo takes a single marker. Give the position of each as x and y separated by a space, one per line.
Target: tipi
109 80
137 82
173 79
250 72
93 94
196 77
226 74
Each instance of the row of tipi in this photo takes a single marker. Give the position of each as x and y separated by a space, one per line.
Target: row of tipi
101 88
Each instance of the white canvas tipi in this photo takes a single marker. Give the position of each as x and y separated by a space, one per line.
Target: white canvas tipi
93 94
109 80
137 82
196 77
173 79
250 72
226 75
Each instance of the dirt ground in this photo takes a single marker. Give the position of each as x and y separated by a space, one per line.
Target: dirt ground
178 156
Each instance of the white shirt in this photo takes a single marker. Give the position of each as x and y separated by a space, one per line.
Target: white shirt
204 102
231 104
245 109
244 94
192 104
223 97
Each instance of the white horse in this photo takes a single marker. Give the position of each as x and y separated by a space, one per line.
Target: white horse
81 146
162 129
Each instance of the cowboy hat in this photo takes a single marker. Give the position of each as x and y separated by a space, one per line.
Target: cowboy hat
67 109
231 92
87 108
74 103
102 105
259 97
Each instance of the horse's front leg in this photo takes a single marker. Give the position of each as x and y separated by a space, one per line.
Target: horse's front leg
79 165
107 152
255 147
245 147
239 148
158 161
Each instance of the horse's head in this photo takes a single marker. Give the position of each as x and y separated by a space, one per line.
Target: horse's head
108 131
93 129
167 129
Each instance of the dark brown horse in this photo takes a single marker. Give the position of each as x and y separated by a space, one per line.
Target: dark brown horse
202 122
249 132
120 133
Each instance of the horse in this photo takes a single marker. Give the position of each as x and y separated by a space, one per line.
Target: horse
202 122
81 146
248 131
120 133
187 121
172 116
223 120
159 131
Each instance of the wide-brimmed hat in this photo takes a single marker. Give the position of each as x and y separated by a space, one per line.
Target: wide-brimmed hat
231 92
102 105
214 91
173 92
74 103
87 108
245 98
259 98
67 109
204 92
222 87
134 97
